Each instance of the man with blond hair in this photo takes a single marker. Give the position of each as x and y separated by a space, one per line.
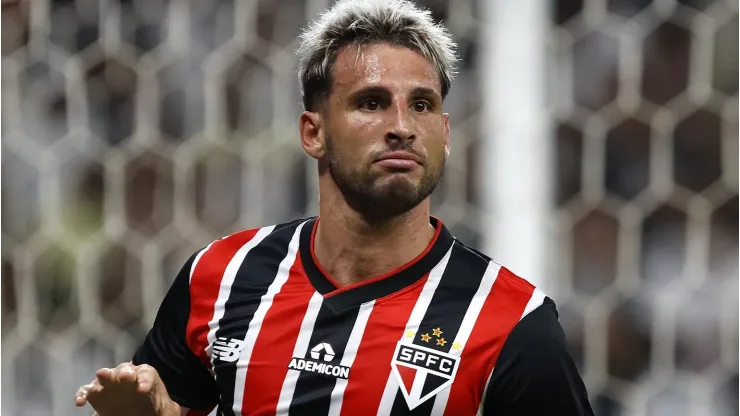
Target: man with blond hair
373 307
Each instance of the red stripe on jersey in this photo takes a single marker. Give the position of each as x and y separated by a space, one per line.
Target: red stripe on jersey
204 286
372 367
501 311
274 346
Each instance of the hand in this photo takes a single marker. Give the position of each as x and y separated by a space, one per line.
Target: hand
127 390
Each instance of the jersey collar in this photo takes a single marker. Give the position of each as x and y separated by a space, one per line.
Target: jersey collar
378 286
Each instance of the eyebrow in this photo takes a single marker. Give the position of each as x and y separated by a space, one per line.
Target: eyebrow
425 92
379 90
371 90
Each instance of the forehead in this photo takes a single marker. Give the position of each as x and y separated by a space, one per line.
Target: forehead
382 64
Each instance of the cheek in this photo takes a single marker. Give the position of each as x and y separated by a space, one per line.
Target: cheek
435 141
346 148
363 123
436 153
360 133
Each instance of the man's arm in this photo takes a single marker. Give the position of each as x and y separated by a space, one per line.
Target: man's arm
188 381
535 373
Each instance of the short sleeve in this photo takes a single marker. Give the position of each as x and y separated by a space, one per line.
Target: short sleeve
535 373
188 381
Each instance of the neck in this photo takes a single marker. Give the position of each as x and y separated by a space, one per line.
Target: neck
351 249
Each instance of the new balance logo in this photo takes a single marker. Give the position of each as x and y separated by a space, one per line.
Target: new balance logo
228 350
319 363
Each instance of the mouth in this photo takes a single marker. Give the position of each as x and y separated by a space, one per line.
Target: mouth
399 160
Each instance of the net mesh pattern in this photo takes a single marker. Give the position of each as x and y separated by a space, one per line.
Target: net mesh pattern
137 131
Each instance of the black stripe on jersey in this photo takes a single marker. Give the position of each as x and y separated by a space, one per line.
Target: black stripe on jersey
312 394
458 285
256 273
375 290
318 280
293 224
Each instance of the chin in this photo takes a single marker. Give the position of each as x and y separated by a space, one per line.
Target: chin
402 188
397 183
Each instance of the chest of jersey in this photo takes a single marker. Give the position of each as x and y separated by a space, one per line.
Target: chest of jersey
280 338
295 354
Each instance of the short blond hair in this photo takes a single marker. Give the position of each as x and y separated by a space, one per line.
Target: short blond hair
364 22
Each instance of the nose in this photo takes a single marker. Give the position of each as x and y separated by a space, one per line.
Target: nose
401 126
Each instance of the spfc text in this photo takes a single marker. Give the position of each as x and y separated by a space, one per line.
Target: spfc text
424 358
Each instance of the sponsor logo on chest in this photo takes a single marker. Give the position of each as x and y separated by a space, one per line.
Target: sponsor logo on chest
321 362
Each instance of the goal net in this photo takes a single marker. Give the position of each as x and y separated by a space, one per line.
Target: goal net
136 131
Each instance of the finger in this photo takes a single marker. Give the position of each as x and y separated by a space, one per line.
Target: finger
126 364
81 396
145 376
83 393
126 375
115 373
105 376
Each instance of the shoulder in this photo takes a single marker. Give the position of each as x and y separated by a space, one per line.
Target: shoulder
507 277
209 263
252 237
535 372
257 234
507 299
508 289
537 328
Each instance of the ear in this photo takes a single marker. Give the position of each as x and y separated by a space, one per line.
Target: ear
446 119
312 135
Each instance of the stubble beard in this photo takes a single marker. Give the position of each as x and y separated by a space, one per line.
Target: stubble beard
376 198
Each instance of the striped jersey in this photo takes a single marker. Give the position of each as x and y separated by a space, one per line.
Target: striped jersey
253 325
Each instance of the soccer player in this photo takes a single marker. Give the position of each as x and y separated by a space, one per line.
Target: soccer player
372 307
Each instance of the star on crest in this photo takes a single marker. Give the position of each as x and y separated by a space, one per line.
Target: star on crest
410 334
441 342
425 337
437 332
456 346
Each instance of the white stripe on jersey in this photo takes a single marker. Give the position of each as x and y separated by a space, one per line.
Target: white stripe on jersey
300 350
535 301
226 281
348 358
466 327
417 314
255 325
196 260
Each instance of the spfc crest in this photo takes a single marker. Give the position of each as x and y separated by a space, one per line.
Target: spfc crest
422 372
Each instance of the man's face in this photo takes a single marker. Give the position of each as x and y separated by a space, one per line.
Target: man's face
385 130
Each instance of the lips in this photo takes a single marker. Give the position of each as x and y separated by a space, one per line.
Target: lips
400 155
399 160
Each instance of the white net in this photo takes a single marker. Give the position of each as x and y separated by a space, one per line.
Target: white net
135 132
646 108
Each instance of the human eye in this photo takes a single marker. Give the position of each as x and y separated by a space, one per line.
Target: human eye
370 104
421 106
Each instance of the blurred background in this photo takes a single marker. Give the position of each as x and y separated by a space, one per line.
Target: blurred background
137 131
